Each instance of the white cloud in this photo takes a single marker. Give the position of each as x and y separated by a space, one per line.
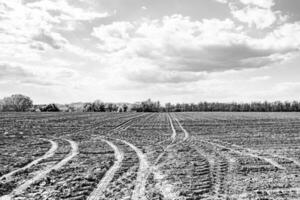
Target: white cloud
36 75
25 29
260 3
260 78
255 13
285 36
113 36
222 1
54 40
36 24
177 44
260 17
62 10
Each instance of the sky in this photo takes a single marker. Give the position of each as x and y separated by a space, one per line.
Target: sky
169 50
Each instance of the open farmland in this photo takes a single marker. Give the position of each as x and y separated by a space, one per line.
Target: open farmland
142 156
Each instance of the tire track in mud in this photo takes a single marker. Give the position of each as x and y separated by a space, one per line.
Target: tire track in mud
128 126
246 152
119 155
41 174
127 123
267 192
173 138
174 133
218 169
297 163
204 168
199 170
48 154
186 134
104 184
142 174
163 186
221 173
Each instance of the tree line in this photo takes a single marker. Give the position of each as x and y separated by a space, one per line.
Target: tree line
265 106
22 103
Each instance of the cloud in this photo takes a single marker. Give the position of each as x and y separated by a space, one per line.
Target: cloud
63 11
287 86
21 74
113 36
260 17
24 29
259 3
37 25
176 44
222 1
260 78
161 53
157 76
13 72
54 40
283 37
18 74
255 13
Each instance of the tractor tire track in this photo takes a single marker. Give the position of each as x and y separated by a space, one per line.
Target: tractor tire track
119 155
142 174
219 168
186 134
297 163
267 192
48 154
174 134
43 173
173 138
249 153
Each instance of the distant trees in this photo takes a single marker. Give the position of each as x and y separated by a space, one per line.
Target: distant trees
265 106
20 103
109 107
98 106
147 106
17 103
87 107
50 108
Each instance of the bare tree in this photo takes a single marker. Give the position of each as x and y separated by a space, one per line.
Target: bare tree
17 102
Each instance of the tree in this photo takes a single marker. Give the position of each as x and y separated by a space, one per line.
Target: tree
125 107
109 107
87 107
17 102
98 106
50 108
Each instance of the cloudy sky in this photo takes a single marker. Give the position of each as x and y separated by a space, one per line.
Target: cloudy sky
169 50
